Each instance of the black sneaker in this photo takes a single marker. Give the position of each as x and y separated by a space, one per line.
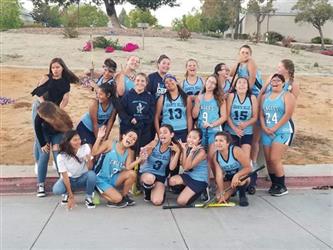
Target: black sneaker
129 201
41 190
64 199
89 203
204 197
279 191
243 201
146 195
120 204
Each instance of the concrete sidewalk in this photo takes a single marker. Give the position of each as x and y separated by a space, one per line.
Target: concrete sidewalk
21 178
303 219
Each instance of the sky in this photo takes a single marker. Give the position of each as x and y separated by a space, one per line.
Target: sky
165 14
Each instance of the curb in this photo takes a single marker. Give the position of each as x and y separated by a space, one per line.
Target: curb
11 185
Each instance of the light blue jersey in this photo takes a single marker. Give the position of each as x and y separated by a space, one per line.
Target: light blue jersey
244 72
113 163
286 87
231 164
174 113
101 80
193 89
102 117
199 172
157 162
274 109
241 112
227 86
209 112
129 84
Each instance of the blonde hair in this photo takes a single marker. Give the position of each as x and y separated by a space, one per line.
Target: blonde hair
55 116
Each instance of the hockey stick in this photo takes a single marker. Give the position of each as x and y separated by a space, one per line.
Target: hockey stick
213 200
200 205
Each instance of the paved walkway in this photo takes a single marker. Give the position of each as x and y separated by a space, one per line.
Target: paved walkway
301 220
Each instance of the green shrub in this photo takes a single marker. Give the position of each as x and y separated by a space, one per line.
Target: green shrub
102 42
244 36
184 34
317 40
46 14
10 14
274 37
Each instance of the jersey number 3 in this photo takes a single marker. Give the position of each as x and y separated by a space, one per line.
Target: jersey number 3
157 165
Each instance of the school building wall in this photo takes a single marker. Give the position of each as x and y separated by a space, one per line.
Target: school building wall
286 26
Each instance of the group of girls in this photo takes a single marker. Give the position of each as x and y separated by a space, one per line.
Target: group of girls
211 128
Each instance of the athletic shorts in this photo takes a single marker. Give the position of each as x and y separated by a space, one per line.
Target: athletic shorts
181 134
239 141
85 134
208 138
229 175
158 178
268 140
196 186
104 184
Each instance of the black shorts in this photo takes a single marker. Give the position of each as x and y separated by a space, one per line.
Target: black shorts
239 141
181 134
85 134
229 175
158 178
196 186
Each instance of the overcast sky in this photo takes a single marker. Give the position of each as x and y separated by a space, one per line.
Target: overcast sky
164 14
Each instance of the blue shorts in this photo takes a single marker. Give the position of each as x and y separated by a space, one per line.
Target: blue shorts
103 184
85 134
196 186
268 140
208 137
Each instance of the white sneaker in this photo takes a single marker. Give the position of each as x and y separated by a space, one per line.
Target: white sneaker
40 190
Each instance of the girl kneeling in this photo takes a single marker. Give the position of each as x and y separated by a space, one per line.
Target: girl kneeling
195 176
117 168
231 163
161 154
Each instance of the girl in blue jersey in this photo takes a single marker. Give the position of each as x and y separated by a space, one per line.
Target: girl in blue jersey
101 112
174 108
192 84
276 110
155 80
221 70
125 79
139 108
242 110
194 163
162 153
231 163
117 168
210 109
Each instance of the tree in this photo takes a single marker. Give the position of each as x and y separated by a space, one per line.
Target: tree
260 9
110 6
141 16
123 18
46 14
10 14
316 12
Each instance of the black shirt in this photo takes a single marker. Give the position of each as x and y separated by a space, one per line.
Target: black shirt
42 128
53 90
156 85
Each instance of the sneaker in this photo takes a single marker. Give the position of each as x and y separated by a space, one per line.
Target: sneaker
146 194
243 201
279 191
41 190
204 197
89 203
251 190
273 186
129 201
64 199
120 204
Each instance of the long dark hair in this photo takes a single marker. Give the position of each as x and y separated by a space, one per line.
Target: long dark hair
248 92
110 91
290 67
171 130
218 68
216 92
66 73
65 145
161 58
183 95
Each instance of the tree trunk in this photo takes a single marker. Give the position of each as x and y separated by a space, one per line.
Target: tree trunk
258 31
111 12
321 37
238 8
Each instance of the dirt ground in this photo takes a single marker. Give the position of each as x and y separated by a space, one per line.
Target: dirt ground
313 117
